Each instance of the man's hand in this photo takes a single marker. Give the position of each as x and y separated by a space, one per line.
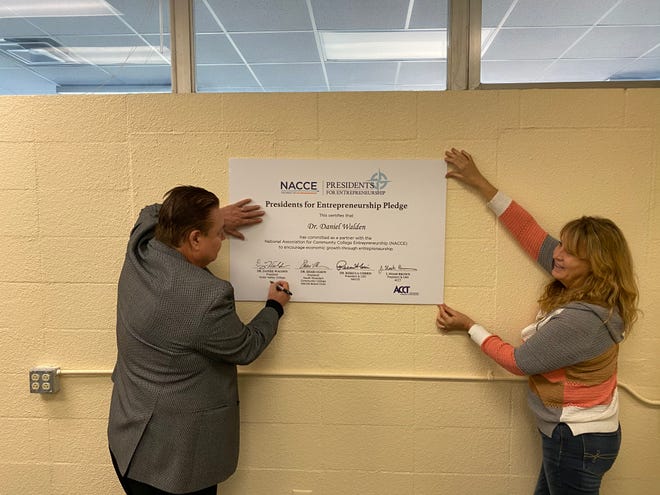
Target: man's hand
279 291
240 214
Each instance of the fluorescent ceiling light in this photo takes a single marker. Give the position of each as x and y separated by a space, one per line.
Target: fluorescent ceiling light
119 55
44 54
55 8
390 45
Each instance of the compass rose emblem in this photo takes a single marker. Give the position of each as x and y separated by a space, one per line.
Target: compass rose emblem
380 180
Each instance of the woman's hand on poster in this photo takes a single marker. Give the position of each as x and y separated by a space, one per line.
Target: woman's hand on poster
463 169
449 319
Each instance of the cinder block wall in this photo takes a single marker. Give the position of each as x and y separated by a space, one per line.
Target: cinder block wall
75 171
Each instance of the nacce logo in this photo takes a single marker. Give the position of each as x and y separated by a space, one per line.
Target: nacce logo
299 186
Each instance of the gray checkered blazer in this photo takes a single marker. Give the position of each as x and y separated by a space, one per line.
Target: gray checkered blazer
174 418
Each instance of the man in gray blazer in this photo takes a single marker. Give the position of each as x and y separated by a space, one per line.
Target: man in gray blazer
174 416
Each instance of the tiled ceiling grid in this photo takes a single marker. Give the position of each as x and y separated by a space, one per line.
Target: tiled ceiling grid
275 45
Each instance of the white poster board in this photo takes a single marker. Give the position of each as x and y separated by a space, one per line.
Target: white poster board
357 231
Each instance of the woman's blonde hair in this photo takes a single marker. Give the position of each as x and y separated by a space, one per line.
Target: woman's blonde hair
611 280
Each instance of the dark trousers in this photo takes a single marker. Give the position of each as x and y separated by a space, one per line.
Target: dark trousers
575 465
133 487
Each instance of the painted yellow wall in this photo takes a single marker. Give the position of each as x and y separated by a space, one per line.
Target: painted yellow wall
75 171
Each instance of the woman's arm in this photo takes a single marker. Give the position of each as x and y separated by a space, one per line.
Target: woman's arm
572 335
448 319
531 237
534 240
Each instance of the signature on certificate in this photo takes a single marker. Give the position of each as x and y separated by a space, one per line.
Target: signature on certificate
397 268
269 264
345 265
312 264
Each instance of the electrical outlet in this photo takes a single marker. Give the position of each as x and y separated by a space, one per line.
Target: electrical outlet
44 380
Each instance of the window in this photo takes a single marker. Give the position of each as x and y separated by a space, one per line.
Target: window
526 41
88 46
320 45
121 46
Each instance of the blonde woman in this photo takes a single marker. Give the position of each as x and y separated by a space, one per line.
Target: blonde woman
570 352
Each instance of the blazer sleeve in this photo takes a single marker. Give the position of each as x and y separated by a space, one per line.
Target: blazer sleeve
223 336
145 225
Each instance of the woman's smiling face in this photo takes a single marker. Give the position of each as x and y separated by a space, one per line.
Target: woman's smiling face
568 268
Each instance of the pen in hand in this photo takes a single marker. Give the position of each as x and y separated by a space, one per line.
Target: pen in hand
280 288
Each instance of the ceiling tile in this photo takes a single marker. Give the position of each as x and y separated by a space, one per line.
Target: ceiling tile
616 41
492 11
359 15
639 12
101 41
158 75
640 69
583 70
24 82
422 73
221 77
277 47
9 62
512 71
144 15
361 74
532 43
57 26
256 15
77 74
530 13
290 77
429 14
10 28
215 49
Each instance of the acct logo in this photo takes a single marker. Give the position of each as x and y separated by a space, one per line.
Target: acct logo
401 289
404 290
299 186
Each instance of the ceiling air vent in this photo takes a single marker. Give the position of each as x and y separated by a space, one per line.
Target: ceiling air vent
37 51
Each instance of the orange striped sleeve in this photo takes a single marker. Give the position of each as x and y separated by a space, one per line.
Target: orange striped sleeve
502 353
524 228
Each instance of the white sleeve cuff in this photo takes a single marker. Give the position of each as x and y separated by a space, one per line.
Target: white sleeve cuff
499 203
478 334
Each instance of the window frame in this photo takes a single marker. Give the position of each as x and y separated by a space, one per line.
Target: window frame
463 54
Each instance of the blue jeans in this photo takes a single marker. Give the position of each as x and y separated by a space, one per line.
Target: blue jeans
575 465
